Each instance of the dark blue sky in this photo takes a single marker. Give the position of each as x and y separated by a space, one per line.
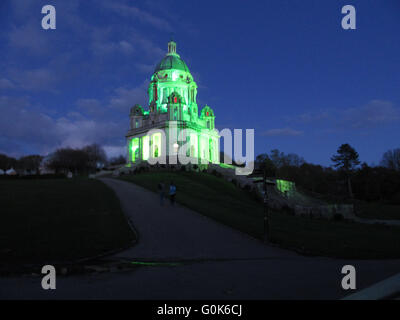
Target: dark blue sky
285 68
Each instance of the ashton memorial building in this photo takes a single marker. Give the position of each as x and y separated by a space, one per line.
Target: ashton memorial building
172 119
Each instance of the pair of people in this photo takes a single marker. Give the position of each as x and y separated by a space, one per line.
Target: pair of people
171 192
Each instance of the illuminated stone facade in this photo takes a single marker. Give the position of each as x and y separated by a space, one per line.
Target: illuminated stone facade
172 119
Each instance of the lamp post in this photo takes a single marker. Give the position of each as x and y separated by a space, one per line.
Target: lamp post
266 218
266 222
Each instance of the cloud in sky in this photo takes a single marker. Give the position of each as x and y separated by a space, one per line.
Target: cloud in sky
306 118
285 132
124 97
90 106
35 79
22 124
120 100
104 48
29 36
131 11
145 68
115 151
375 113
6 84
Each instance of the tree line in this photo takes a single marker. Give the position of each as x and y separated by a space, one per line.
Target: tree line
347 177
28 164
80 161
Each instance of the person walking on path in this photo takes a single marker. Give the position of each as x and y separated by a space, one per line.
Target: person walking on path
161 191
172 193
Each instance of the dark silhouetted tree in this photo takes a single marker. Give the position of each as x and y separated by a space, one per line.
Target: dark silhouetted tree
7 162
30 163
391 159
97 156
346 160
118 160
75 160
263 162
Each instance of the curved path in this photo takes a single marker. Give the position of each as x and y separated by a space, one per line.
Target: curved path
178 233
221 263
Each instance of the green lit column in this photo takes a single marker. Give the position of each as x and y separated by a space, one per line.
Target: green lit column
129 153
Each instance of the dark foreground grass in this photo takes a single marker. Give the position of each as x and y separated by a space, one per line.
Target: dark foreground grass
222 201
377 210
59 220
363 209
338 239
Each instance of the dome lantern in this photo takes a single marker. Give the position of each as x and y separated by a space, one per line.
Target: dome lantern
172 60
171 47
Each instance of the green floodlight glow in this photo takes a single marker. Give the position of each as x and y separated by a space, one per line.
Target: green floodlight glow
284 185
226 166
156 145
135 148
146 147
203 153
193 144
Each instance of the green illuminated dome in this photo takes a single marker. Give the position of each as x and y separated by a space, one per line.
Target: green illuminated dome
172 60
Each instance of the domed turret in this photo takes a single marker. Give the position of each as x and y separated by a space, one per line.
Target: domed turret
172 60
172 75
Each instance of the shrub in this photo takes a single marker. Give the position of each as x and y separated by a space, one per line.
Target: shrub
286 209
338 217
255 195
247 188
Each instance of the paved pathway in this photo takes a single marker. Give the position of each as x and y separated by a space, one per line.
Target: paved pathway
175 232
224 263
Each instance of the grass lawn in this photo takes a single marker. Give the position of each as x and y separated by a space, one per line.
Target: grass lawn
338 239
59 220
222 201
376 210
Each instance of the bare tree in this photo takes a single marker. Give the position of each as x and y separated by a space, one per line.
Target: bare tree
97 156
391 159
67 159
30 163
